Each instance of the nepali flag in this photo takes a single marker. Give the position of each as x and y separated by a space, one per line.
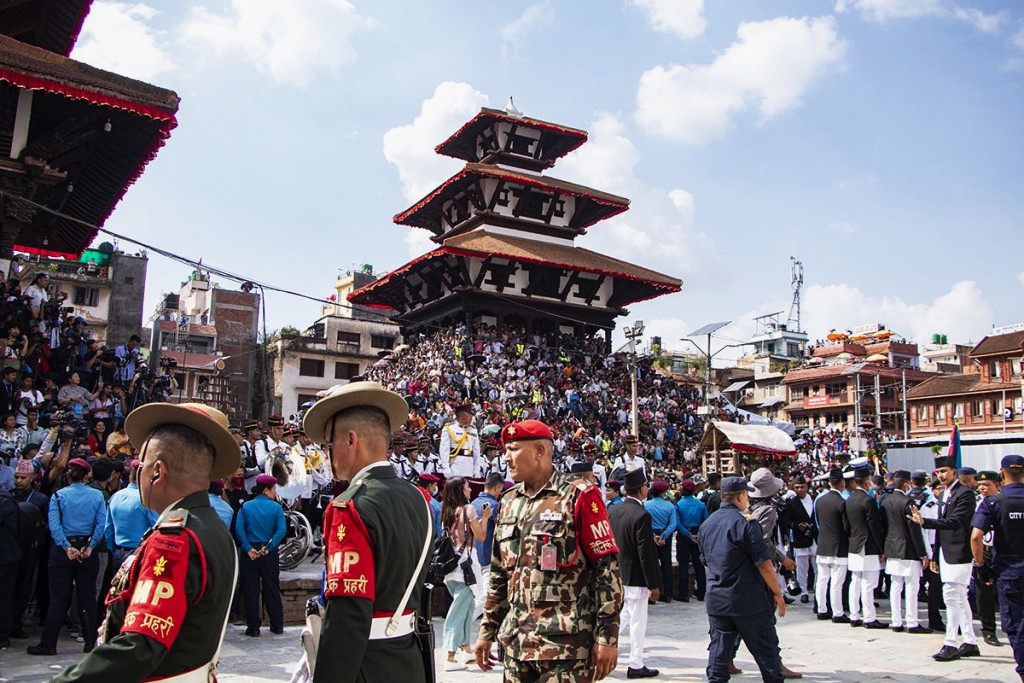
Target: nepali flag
954 445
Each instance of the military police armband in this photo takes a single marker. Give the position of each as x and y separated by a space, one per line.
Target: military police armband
158 602
349 553
595 531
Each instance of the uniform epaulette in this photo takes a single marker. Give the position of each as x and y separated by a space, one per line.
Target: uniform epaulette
175 520
581 484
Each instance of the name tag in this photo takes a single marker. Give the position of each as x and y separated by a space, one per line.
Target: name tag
551 516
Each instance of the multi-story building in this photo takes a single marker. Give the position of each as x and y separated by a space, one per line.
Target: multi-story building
106 287
987 397
941 356
210 334
777 349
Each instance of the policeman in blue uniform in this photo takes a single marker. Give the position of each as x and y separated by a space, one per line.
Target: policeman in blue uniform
77 517
664 521
742 591
259 529
1003 514
127 519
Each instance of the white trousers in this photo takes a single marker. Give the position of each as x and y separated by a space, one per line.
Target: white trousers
803 571
633 620
480 597
958 614
862 595
904 586
831 576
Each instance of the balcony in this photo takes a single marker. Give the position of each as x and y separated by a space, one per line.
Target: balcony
69 271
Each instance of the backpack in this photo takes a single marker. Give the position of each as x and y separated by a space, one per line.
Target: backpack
32 528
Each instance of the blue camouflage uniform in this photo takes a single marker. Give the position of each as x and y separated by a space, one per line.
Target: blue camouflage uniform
739 604
1003 513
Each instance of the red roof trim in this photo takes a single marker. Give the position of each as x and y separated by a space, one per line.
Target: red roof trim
502 116
747 448
402 218
35 83
452 251
73 38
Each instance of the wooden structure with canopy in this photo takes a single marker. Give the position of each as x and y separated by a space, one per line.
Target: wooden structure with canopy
506 236
73 138
725 445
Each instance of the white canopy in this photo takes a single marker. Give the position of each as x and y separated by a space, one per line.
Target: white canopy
747 438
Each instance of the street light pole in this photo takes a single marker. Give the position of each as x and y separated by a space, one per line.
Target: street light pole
632 334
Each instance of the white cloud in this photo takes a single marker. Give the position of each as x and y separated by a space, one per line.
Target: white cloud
514 34
1018 39
769 68
684 18
411 147
118 38
883 10
963 313
287 41
608 158
1020 277
841 228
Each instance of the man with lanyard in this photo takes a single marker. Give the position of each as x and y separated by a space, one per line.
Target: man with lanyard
168 604
378 535
600 473
429 462
953 559
127 358
630 459
460 444
1003 514
495 464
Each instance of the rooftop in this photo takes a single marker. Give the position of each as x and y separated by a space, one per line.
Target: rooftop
999 344
556 141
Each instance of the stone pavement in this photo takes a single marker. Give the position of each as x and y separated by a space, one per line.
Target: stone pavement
676 644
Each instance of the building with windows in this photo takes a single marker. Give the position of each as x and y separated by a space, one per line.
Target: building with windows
987 397
104 286
337 348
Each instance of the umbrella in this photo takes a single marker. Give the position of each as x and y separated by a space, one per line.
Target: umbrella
877 358
844 356
490 429
859 338
883 334
806 431
382 363
866 423
800 442
837 336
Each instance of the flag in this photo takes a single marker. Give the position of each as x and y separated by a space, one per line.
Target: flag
954 445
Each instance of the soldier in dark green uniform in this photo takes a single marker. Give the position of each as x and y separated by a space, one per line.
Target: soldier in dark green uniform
168 603
377 535
555 591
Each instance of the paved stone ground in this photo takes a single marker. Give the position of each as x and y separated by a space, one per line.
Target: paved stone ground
676 644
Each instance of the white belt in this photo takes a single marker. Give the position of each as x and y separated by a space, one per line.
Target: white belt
403 626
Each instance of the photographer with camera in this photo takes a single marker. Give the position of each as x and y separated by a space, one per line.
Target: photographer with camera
38 297
128 358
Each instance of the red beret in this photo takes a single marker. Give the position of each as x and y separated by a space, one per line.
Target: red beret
80 463
660 486
430 478
689 485
266 480
526 430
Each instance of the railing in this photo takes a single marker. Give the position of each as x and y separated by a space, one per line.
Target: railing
72 268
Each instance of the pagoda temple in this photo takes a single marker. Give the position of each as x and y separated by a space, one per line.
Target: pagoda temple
506 236
73 138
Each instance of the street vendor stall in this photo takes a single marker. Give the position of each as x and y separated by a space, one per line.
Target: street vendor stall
726 446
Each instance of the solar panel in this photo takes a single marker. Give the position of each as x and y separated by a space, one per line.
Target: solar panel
708 329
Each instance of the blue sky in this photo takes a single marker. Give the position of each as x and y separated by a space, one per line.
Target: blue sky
876 140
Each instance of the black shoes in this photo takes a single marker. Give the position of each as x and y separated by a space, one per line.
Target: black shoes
841 619
969 650
856 622
277 631
686 599
40 650
788 600
919 629
252 632
804 599
946 654
898 629
989 638
18 633
645 672
876 624
823 617
939 626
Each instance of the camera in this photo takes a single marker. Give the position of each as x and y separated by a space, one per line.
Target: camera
792 584
168 363
69 425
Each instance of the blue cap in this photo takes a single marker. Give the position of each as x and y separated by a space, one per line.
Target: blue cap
968 470
1012 461
735 484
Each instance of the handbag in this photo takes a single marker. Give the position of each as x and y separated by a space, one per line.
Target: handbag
468 575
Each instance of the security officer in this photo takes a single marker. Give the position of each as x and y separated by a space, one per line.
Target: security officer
428 462
378 535
664 522
630 459
555 591
988 483
127 519
168 604
589 451
77 518
251 430
460 444
742 591
1003 514
259 529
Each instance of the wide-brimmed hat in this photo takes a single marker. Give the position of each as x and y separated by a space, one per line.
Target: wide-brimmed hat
352 395
209 422
765 483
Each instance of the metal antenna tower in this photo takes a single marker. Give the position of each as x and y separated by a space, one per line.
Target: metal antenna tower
796 276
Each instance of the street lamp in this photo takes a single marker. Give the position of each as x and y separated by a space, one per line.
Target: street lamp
632 334
709 330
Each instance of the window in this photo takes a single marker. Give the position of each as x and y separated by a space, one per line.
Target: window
922 415
345 370
311 367
1015 366
997 409
995 369
792 350
301 399
348 339
381 341
86 296
940 413
977 408
958 411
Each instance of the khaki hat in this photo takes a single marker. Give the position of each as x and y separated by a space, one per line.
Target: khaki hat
208 421
351 395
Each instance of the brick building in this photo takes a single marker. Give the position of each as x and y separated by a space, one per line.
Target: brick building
987 397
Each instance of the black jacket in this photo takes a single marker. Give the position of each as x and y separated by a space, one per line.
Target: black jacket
638 555
904 540
954 525
867 533
833 529
800 526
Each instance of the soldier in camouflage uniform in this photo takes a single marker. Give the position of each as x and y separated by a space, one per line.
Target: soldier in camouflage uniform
555 591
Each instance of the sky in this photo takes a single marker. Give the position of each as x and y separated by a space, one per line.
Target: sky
877 141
